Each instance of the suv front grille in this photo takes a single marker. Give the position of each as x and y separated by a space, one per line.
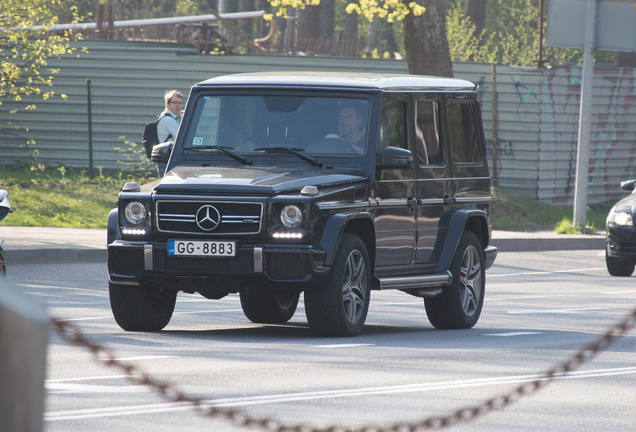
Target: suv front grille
214 217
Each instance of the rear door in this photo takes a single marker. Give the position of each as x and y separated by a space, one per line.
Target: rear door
433 172
471 180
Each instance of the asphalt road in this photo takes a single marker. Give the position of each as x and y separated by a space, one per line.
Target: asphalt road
540 308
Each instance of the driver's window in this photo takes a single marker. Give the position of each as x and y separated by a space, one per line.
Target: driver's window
392 126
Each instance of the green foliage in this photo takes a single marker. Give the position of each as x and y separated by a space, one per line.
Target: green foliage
462 42
63 197
510 211
134 156
24 50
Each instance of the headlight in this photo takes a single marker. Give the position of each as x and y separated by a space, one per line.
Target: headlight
135 212
622 218
291 216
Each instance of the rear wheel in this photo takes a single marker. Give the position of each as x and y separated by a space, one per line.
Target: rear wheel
459 306
269 307
340 308
141 308
616 267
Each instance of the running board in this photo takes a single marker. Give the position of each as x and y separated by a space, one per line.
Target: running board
410 282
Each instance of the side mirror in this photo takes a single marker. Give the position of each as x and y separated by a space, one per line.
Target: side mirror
628 185
161 153
396 158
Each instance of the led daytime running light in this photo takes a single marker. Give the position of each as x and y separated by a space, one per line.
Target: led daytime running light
130 231
287 235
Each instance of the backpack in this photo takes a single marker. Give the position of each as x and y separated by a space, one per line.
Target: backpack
150 138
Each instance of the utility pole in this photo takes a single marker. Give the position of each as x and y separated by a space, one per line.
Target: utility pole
585 118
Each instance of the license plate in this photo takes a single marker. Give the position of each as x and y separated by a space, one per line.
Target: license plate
201 248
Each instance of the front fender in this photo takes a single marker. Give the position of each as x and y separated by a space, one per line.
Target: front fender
456 225
334 228
113 226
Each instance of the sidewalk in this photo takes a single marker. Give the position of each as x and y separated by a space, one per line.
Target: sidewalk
28 245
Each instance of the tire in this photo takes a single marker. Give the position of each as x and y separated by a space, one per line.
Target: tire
616 267
142 308
269 307
340 308
459 305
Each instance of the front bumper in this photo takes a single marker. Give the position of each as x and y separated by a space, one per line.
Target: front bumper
621 241
280 266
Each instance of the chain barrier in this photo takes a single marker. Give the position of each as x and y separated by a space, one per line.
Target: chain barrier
72 334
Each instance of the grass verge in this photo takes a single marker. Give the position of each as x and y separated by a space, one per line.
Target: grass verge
63 197
67 197
519 213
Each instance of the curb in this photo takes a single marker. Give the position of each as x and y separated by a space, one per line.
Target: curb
93 255
54 256
548 244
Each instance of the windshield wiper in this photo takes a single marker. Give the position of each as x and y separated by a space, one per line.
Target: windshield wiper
294 151
227 151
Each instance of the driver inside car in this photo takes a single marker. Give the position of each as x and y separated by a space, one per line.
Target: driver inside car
350 120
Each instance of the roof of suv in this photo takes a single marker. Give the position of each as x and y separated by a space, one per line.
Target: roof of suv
390 82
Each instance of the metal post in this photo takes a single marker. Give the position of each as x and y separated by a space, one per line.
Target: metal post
24 329
541 61
585 118
90 129
495 108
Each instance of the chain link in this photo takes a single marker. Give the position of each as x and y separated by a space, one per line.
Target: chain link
72 334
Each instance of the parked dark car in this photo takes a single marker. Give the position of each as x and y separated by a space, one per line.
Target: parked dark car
331 185
620 247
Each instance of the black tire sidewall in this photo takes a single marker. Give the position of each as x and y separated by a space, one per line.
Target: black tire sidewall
446 311
132 307
325 306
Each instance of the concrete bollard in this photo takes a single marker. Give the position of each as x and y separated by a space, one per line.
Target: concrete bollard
24 327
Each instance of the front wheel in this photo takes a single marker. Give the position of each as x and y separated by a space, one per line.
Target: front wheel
340 308
141 308
269 307
616 267
459 305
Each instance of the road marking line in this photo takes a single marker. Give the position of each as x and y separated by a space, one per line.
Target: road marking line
557 311
87 319
88 388
209 311
512 334
143 358
87 378
621 292
341 345
543 273
519 297
329 394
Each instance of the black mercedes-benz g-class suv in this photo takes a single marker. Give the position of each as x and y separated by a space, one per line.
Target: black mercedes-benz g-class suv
332 185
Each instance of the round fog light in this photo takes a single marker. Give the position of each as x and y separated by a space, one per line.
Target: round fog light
135 212
291 216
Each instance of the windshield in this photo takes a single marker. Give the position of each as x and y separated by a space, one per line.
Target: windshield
255 124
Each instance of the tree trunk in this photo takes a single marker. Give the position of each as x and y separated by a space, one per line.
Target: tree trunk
309 29
373 36
626 59
425 41
327 14
351 33
476 11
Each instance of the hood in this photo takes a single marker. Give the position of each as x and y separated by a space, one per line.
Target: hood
252 180
627 204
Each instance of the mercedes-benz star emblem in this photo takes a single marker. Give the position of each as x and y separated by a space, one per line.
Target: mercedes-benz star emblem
208 218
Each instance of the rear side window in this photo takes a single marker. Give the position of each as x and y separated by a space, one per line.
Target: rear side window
427 136
463 132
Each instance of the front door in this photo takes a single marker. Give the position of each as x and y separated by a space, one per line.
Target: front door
395 191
